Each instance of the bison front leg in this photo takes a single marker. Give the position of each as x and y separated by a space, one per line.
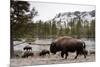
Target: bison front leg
62 54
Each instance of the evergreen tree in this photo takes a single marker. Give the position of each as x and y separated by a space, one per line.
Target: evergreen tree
19 18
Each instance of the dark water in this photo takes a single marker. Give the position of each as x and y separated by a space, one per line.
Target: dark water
90 43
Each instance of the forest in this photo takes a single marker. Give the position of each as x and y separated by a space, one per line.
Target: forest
22 25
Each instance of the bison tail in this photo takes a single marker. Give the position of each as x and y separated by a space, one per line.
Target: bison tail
84 45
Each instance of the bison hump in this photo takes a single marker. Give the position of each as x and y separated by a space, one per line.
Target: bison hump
60 39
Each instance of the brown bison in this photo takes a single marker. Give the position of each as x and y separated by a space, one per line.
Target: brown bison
67 44
44 52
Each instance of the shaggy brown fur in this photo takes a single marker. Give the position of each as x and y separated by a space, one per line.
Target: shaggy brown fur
68 44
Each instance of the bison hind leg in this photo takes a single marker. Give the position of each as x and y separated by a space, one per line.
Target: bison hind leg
77 53
84 53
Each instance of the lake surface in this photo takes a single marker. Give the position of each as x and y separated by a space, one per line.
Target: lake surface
39 45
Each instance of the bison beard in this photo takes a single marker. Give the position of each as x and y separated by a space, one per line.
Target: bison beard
68 44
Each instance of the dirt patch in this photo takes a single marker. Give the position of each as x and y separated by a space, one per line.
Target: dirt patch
50 59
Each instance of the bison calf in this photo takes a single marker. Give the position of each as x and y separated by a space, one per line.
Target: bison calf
44 52
27 54
27 48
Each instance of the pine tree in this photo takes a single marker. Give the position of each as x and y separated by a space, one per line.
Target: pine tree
19 18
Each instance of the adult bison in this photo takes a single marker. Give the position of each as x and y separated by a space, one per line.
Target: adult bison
67 44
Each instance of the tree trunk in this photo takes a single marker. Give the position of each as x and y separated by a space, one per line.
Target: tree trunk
11 49
11 45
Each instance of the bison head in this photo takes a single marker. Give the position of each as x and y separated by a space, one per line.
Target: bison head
53 48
